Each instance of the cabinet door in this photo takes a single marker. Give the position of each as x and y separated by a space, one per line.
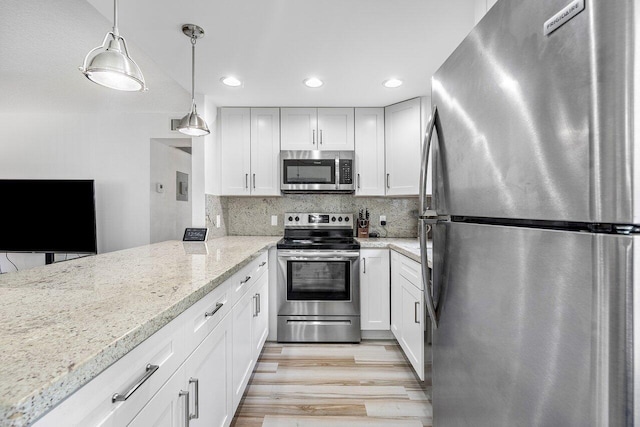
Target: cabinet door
396 292
265 147
299 129
412 334
235 129
375 297
403 141
167 408
335 129
243 359
210 366
261 321
369 147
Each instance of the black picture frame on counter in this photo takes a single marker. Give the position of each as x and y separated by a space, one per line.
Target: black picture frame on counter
195 234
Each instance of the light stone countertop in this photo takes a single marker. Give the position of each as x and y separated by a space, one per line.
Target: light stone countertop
63 324
407 247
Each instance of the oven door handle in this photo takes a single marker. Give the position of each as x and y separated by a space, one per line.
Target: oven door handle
315 255
319 258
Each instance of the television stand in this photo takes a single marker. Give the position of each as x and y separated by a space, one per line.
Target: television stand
48 257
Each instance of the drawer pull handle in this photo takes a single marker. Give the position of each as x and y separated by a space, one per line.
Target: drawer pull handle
149 370
262 264
246 279
187 416
259 308
196 415
215 310
255 305
415 311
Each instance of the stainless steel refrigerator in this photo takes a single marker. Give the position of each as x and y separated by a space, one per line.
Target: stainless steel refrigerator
536 218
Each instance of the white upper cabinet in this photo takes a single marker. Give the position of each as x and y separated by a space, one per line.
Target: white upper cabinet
299 129
335 129
403 141
250 144
235 133
265 148
481 7
369 148
317 129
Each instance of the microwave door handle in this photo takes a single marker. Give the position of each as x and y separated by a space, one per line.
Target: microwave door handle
337 172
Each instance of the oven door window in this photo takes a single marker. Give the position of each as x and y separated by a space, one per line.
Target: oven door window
309 171
318 280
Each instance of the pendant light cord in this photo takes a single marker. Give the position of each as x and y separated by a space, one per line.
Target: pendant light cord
193 70
115 17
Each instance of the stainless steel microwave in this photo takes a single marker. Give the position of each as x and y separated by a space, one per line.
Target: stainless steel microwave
317 171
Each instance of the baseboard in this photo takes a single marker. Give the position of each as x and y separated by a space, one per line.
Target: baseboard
377 335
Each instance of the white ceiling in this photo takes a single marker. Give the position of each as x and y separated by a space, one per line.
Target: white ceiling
272 45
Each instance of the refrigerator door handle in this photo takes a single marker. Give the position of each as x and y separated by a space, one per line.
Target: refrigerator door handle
425 158
431 308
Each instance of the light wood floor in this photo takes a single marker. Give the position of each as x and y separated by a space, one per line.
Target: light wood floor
316 385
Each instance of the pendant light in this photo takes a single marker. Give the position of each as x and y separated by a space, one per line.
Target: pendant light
110 64
192 124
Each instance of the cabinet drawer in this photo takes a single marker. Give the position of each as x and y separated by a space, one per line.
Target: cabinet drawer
242 281
409 269
93 405
205 315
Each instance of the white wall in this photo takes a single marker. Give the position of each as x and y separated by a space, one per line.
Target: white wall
56 124
169 217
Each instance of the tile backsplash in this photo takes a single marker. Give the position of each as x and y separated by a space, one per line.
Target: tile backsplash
252 215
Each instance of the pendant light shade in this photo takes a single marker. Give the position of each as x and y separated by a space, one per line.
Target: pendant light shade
110 65
192 124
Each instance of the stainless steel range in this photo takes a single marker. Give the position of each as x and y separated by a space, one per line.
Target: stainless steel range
318 280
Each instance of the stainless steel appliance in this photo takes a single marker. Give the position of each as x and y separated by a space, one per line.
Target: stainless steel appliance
318 287
317 171
536 215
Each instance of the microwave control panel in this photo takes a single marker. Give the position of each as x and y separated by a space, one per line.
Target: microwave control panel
346 172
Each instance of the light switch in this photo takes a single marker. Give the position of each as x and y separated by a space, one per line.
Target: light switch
274 219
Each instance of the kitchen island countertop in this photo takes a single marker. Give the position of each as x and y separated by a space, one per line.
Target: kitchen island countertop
406 246
63 324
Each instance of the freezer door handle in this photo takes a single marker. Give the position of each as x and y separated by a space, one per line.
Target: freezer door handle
428 292
431 126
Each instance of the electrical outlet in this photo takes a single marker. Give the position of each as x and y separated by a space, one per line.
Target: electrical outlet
274 219
217 221
383 220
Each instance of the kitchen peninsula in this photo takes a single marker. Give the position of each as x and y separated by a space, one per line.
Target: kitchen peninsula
63 324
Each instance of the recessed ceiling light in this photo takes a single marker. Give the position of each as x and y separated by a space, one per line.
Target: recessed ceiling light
392 82
231 81
313 82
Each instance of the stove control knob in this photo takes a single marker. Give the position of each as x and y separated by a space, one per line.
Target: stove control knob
297 218
290 218
346 219
339 219
333 219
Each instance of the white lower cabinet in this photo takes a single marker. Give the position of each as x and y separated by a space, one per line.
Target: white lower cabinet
250 330
261 319
407 304
205 356
243 356
167 408
203 381
375 295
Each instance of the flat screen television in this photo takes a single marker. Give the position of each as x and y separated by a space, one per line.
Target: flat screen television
50 216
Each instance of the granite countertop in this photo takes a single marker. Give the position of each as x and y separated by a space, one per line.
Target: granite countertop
408 247
63 324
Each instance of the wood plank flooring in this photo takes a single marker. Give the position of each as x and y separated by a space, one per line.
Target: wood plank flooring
317 385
